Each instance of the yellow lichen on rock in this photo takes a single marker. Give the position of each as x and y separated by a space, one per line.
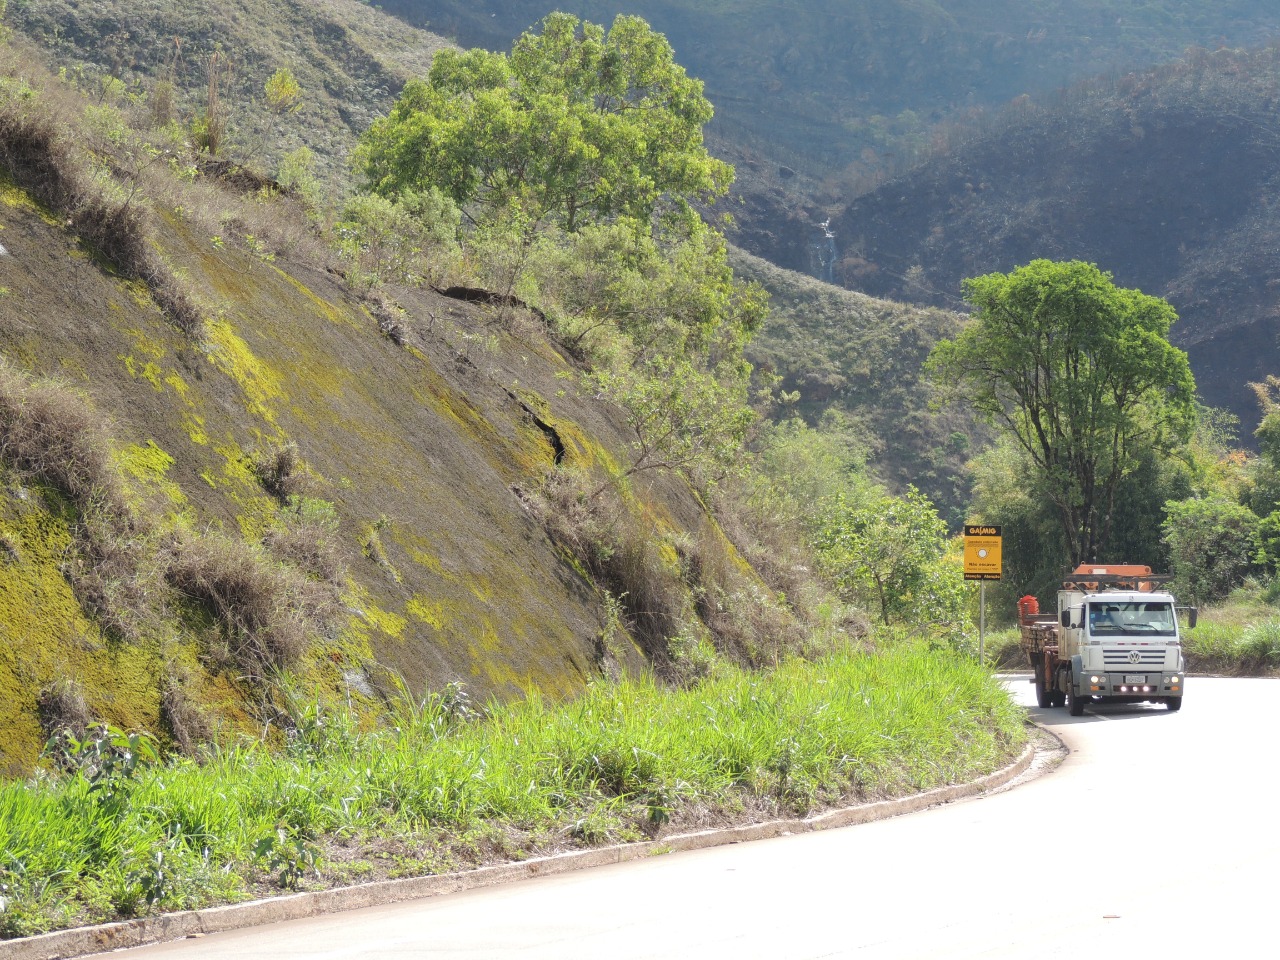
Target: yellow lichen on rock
428 611
260 385
148 466
45 636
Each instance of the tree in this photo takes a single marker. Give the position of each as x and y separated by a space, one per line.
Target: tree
282 93
673 295
681 417
1081 374
889 551
575 126
1212 545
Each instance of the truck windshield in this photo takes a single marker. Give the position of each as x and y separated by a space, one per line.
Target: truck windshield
1116 619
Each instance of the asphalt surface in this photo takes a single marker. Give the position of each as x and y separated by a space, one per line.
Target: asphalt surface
1154 836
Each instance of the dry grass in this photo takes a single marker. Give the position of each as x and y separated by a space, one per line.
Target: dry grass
280 470
622 556
746 619
673 606
187 723
50 434
40 151
694 599
61 709
37 159
310 548
268 612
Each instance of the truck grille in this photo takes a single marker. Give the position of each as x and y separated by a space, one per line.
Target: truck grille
1120 658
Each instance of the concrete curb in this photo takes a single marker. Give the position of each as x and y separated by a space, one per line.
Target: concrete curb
176 926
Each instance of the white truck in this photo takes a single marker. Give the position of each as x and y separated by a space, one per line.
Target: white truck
1115 639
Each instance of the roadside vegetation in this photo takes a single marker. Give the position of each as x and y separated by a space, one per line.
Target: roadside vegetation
766 690
114 834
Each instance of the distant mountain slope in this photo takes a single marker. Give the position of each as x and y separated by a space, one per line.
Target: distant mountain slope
822 81
1167 179
862 357
350 59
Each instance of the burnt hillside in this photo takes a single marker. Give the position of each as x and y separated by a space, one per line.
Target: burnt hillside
1166 179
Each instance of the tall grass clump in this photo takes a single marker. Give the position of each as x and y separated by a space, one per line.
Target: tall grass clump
51 437
1238 639
50 434
444 786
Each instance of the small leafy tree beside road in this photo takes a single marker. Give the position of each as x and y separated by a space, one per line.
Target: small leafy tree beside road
1212 545
888 553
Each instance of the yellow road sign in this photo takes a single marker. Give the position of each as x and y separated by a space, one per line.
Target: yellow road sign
982 560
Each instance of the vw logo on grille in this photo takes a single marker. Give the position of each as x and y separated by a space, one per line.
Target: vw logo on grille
1135 656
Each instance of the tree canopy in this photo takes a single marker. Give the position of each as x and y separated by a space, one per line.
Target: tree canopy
576 125
889 552
1081 374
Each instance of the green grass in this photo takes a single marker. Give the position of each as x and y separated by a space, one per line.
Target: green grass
1002 650
1239 638
443 789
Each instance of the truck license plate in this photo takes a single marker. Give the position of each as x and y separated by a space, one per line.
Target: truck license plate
1135 678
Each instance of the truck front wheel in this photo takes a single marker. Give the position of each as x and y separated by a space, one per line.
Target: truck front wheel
1075 702
1173 703
1044 696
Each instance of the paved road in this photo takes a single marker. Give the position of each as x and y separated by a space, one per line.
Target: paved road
1155 837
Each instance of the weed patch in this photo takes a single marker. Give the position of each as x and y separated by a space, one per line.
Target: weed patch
61 708
279 469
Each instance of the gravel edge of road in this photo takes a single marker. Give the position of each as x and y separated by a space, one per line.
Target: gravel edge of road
86 941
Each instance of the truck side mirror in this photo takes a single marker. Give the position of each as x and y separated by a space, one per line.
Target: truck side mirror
1065 618
1191 617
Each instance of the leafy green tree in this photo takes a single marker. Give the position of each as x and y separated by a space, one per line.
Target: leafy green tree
670 295
681 417
1213 543
807 466
577 125
1262 493
1005 486
389 241
1081 374
888 552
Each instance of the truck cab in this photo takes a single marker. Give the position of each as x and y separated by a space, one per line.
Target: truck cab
1119 639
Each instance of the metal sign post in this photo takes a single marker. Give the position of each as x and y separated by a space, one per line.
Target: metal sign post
982 619
982 562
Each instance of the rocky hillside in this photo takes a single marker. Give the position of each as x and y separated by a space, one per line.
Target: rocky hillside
232 482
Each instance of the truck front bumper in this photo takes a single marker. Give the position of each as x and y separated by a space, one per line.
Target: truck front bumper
1132 686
